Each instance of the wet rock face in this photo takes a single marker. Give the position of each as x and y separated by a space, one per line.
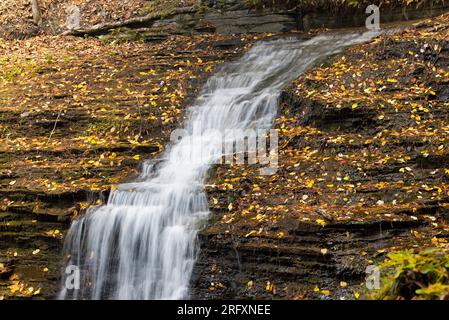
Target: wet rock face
363 153
30 249
242 22
315 113
237 17
234 267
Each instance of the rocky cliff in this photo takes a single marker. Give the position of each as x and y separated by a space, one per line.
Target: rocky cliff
363 174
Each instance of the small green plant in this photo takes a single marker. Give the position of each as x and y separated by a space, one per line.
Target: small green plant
410 275
48 59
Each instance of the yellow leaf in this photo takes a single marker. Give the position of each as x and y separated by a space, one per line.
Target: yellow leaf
269 287
320 222
250 233
14 288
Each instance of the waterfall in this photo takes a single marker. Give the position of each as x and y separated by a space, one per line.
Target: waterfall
142 243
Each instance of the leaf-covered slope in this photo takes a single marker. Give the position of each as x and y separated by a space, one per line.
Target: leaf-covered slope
363 171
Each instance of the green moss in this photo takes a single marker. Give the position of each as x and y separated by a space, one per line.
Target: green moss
12 68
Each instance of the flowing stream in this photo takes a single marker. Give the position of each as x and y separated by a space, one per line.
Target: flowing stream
143 243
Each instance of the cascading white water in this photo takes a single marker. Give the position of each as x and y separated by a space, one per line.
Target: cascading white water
142 244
